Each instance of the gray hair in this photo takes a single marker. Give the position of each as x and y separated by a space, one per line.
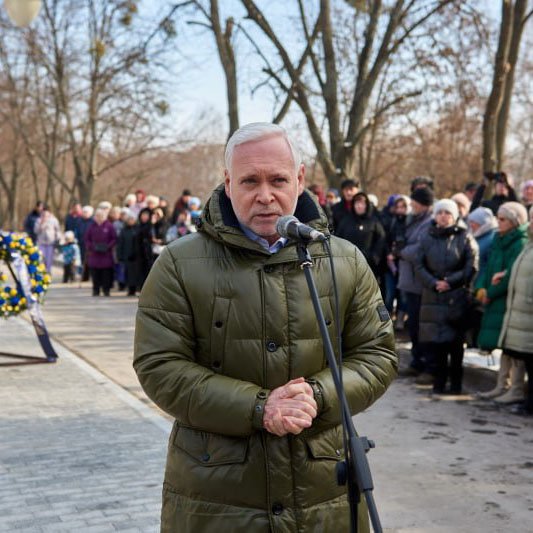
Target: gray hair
256 131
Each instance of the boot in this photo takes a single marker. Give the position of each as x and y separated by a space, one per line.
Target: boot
503 380
516 391
400 321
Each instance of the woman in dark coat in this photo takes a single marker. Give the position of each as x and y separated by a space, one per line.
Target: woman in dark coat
446 264
145 258
363 228
100 240
127 253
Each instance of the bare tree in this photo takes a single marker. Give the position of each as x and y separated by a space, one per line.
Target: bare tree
382 32
513 20
94 90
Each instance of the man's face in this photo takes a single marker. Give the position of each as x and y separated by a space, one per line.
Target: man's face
349 192
418 208
263 184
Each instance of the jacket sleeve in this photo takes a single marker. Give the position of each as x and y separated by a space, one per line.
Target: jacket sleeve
369 359
471 265
165 362
427 278
500 290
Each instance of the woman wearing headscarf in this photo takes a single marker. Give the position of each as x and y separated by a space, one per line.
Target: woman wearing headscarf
516 338
446 264
491 291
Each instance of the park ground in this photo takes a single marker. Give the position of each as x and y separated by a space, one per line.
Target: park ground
83 449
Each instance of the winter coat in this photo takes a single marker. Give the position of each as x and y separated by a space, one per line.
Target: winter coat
221 323
47 231
449 254
415 227
338 212
367 233
83 225
99 242
127 254
503 253
29 224
484 243
517 329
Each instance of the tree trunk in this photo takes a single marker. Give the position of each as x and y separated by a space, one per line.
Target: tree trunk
494 102
514 47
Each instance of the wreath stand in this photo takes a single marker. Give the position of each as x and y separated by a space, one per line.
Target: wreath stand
40 329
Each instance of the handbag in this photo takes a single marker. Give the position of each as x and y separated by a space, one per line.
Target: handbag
101 247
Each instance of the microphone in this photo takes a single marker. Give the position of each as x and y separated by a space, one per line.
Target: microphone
291 228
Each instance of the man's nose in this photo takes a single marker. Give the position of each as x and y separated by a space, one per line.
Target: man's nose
264 194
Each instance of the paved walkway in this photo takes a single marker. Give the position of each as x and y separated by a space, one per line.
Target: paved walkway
77 452
82 449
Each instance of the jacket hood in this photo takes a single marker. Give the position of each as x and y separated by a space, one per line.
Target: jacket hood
219 221
370 209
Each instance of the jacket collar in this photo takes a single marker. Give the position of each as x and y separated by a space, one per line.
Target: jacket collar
220 222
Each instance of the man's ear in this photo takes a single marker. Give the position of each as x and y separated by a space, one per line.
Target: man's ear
226 182
301 179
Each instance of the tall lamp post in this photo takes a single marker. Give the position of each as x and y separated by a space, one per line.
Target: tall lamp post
22 12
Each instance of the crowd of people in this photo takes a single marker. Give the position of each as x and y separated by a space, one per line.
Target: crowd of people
113 245
452 272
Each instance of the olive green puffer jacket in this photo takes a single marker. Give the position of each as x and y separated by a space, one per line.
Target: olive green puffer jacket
221 322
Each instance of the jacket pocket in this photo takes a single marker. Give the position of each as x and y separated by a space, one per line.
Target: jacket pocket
326 445
210 449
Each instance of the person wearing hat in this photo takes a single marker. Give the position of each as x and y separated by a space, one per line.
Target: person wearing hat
71 256
526 192
483 226
417 225
516 338
491 291
446 264
182 203
349 188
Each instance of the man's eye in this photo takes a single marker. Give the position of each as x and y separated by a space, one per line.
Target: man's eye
280 180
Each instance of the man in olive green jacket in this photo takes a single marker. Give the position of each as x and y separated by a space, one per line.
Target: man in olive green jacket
228 344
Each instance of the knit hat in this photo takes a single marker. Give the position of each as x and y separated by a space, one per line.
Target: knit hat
481 216
514 212
447 205
423 195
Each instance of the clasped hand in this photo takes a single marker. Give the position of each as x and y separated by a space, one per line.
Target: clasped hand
290 408
442 286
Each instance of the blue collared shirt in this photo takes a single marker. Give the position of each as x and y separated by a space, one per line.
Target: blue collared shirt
274 248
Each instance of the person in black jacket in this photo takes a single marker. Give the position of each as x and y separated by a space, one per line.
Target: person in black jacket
342 209
446 264
395 236
503 192
145 258
127 250
362 227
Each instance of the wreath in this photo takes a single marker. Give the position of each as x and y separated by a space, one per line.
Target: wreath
14 299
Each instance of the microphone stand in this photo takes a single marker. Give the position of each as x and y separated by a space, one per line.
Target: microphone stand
354 470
